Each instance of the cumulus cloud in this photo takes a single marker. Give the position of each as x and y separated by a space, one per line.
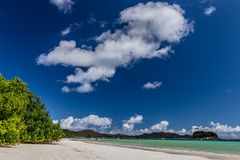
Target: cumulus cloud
84 88
152 85
149 31
223 130
55 121
129 124
63 5
95 122
162 126
210 10
89 122
71 28
135 119
159 127
182 132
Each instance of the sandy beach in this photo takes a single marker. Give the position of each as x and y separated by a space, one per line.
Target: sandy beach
78 150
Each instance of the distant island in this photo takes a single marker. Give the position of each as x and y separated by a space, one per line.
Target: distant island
165 135
205 135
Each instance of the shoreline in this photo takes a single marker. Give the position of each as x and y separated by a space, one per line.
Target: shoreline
209 155
75 149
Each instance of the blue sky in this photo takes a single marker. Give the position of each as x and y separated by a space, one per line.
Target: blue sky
193 83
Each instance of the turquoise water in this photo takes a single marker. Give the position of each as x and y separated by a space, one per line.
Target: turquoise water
224 147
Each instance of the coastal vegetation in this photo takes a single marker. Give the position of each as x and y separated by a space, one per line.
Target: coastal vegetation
23 117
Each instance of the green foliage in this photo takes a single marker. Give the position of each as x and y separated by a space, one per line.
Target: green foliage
40 127
23 118
10 130
13 99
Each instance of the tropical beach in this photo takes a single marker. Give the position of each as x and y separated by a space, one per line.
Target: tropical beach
119 80
75 150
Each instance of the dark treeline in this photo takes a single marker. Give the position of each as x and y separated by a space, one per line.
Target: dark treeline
154 135
23 117
93 134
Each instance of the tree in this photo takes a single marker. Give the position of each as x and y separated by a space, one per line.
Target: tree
39 125
13 100
23 118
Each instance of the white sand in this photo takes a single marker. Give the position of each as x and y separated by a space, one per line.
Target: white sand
77 150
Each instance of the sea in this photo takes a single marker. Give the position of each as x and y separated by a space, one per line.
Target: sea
220 146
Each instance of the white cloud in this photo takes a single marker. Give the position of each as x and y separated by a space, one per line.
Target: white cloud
159 127
130 123
95 122
63 5
71 28
183 132
208 11
66 89
224 131
152 85
84 88
149 31
66 31
55 121
162 126
224 128
89 122
128 127
135 119
91 75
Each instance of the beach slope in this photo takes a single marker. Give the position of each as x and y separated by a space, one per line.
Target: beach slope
78 150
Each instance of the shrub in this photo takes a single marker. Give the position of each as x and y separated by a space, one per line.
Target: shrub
23 118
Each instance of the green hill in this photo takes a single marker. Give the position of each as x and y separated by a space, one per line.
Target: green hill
94 134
